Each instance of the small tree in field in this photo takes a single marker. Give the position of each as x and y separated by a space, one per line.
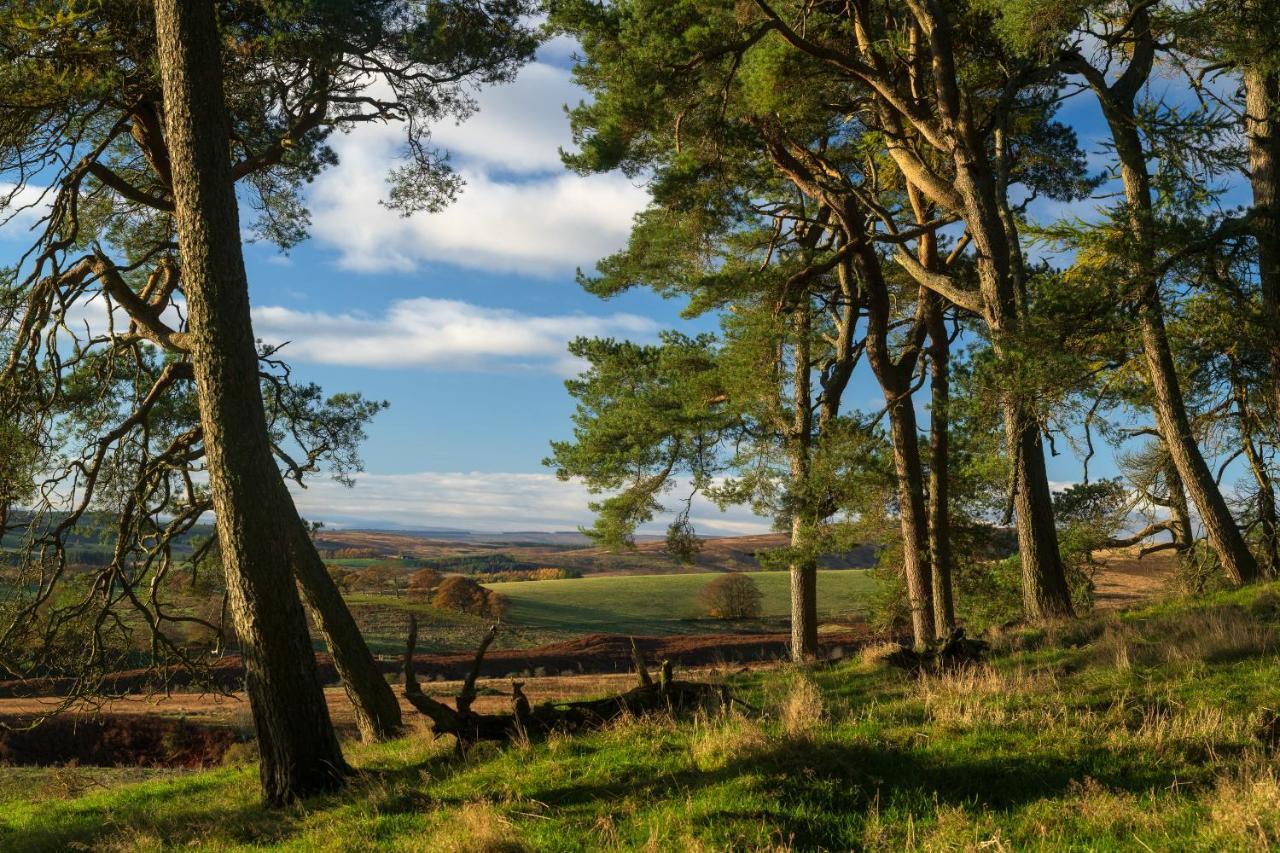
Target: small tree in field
463 595
422 583
731 596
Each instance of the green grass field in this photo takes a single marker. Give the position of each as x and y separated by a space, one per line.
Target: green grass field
660 604
541 612
1144 731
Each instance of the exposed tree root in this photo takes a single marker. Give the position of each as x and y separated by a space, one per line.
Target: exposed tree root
954 650
468 727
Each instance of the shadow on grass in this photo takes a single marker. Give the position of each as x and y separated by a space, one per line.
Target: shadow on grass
209 809
819 793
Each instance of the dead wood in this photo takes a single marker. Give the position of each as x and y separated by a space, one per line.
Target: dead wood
667 695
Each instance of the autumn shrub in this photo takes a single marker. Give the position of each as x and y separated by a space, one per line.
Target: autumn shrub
731 596
422 583
463 595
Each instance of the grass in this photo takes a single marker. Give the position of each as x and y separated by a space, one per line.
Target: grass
541 612
661 604
1151 730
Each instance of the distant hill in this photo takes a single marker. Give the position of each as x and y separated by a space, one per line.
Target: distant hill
575 551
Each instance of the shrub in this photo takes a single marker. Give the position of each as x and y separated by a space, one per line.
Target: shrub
463 595
731 596
379 577
423 582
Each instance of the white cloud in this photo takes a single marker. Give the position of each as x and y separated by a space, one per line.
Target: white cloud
443 333
519 212
520 127
21 208
489 502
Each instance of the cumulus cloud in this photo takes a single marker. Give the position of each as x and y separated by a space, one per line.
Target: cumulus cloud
490 502
21 208
519 212
440 333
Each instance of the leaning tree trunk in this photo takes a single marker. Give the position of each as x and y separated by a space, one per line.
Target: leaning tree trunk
376 709
1168 404
299 750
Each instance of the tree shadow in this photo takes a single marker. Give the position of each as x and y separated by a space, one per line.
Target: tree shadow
814 787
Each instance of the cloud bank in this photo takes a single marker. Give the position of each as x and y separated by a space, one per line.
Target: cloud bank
488 502
440 333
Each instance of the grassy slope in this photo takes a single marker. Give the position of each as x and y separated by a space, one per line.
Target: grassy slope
1132 732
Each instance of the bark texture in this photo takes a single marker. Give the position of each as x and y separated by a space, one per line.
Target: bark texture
372 699
973 192
894 376
1262 134
299 751
944 613
804 571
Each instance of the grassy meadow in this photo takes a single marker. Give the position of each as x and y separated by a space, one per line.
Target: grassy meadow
1150 730
540 612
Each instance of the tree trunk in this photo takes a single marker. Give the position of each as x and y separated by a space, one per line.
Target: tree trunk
1268 523
1045 594
894 377
804 598
376 709
1171 418
913 517
1262 132
804 570
1168 404
299 750
944 615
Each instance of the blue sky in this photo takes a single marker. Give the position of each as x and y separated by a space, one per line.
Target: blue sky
460 319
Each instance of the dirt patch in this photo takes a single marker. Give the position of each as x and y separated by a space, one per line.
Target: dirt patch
593 654
606 653
1125 580
115 740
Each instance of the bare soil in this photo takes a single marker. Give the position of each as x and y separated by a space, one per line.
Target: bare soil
114 740
1125 580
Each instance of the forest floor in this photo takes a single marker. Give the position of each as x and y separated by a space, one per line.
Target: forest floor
1151 728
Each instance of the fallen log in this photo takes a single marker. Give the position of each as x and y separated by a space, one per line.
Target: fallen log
468 727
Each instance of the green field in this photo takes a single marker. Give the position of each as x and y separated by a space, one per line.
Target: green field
540 612
660 604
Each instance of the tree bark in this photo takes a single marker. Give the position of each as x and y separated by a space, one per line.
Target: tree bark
372 699
299 750
1045 593
944 615
894 377
804 571
1262 135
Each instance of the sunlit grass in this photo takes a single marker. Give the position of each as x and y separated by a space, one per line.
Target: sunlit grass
1051 744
